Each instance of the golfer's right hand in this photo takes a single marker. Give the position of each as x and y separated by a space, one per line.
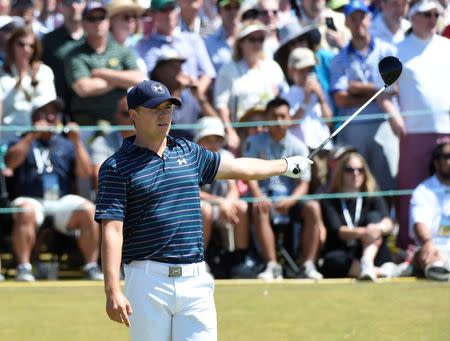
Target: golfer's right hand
297 166
118 308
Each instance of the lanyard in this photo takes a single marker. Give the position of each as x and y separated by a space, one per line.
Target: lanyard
348 219
42 159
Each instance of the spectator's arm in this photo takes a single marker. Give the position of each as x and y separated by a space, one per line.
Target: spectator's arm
396 120
359 88
91 87
344 99
123 79
18 152
423 233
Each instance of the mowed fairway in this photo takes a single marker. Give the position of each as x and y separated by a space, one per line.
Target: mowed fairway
247 310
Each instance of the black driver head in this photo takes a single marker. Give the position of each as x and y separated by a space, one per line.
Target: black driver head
390 69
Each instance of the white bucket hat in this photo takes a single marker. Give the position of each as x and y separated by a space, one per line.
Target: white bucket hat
209 126
301 57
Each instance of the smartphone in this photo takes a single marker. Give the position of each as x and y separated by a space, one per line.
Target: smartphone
330 23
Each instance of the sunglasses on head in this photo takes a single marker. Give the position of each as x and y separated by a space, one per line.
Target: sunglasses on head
95 18
351 170
430 15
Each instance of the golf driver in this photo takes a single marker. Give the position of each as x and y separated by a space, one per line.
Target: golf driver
390 69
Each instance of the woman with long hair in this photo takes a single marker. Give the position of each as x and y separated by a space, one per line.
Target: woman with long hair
250 79
23 78
357 225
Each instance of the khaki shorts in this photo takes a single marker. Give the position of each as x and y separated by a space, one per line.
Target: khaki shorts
60 210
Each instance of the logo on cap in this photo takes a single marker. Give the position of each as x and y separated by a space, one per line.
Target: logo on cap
158 88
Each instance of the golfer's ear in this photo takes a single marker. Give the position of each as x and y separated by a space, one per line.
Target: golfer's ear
133 114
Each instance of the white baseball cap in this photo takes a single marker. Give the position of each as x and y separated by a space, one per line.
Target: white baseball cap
209 126
5 20
424 6
301 57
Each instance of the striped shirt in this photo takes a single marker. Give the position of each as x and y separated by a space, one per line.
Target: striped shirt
157 199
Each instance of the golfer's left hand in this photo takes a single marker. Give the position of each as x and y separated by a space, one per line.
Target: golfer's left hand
118 308
297 166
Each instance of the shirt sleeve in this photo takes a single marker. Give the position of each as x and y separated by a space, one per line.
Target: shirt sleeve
251 147
331 218
208 163
112 194
421 208
338 76
129 60
223 86
205 66
76 68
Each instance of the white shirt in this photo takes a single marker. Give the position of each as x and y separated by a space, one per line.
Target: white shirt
380 30
424 83
16 106
430 204
312 130
240 88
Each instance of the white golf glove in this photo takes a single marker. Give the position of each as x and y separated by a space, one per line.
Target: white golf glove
297 166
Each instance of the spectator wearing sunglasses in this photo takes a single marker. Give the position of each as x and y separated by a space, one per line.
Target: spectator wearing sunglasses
430 216
124 18
100 70
268 14
22 78
249 79
58 43
424 104
357 226
165 15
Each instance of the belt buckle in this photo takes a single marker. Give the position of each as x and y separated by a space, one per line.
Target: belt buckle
175 271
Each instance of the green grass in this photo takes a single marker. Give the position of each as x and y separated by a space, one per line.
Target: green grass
248 310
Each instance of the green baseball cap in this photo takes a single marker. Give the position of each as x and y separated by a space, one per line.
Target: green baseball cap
159 4
223 3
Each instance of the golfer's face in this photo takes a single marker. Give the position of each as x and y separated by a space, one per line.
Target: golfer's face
157 120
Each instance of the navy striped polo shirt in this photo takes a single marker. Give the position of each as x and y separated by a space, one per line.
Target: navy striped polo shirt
157 199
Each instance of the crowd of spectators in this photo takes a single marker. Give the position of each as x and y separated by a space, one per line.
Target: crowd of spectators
257 78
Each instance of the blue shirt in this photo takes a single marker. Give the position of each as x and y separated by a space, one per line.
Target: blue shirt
262 146
218 49
28 178
157 199
351 65
188 45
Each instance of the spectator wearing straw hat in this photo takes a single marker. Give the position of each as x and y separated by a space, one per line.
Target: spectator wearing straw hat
99 70
45 165
124 16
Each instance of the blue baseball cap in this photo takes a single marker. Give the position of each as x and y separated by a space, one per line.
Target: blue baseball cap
150 94
354 6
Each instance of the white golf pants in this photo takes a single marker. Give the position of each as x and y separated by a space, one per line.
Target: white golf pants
170 302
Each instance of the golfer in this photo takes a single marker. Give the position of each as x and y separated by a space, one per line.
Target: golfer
149 207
